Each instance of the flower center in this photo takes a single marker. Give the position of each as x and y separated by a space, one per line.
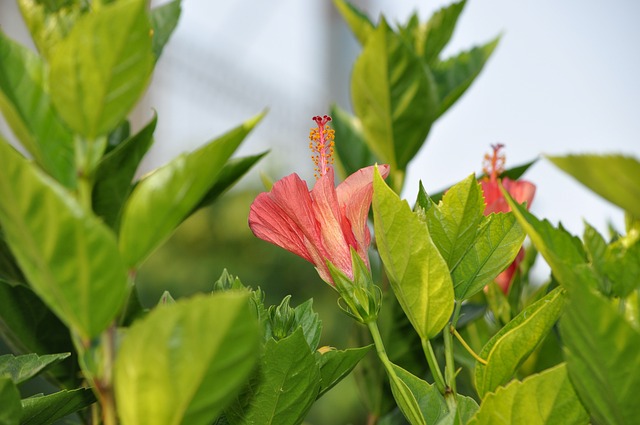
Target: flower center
321 144
493 164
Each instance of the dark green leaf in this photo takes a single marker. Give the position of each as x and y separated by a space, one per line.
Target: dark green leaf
9 270
11 410
351 148
507 349
28 109
454 75
337 364
544 399
310 323
437 32
25 367
100 69
359 23
162 199
418 274
614 177
394 96
115 173
602 356
164 20
27 325
43 410
231 172
287 384
118 135
46 227
184 362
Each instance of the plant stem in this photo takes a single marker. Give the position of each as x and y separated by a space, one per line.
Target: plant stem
399 389
450 367
433 365
466 346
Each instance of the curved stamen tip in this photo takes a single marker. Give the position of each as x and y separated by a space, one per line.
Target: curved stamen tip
493 164
321 144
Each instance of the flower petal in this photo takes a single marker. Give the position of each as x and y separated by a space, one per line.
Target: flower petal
520 190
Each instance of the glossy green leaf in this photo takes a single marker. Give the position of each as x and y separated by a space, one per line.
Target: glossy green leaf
99 70
184 362
28 109
614 177
602 356
351 149
163 198
46 409
436 33
285 387
508 348
164 20
50 21
25 367
335 365
11 410
231 173
394 96
45 226
622 266
407 390
454 222
432 404
27 325
455 75
563 252
360 24
418 274
496 246
116 171
546 398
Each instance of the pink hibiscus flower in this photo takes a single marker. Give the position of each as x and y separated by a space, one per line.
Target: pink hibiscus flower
520 190
324 223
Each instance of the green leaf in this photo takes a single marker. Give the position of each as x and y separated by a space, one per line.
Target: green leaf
27 325
286 386
454 222
46 228
508 348
116 171
164 20
601 353
309 321
622 266
47 409
614 177
50 21
99 70
418 274
564 253
11 411
9 270
335 365
436 33
184 362
231 172
28 109
543 399
454 75
351 149
162 200
394 96
359 23
432 404
25 367
496 246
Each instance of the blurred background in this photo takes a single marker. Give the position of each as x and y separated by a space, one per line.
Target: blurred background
564 79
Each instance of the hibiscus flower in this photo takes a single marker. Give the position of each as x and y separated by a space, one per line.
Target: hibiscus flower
324 223
520 190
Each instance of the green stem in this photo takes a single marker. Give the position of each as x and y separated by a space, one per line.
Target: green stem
433 365
401 390
450 367
466 346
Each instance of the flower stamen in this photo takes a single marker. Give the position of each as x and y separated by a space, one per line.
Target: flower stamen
321 143
493 164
